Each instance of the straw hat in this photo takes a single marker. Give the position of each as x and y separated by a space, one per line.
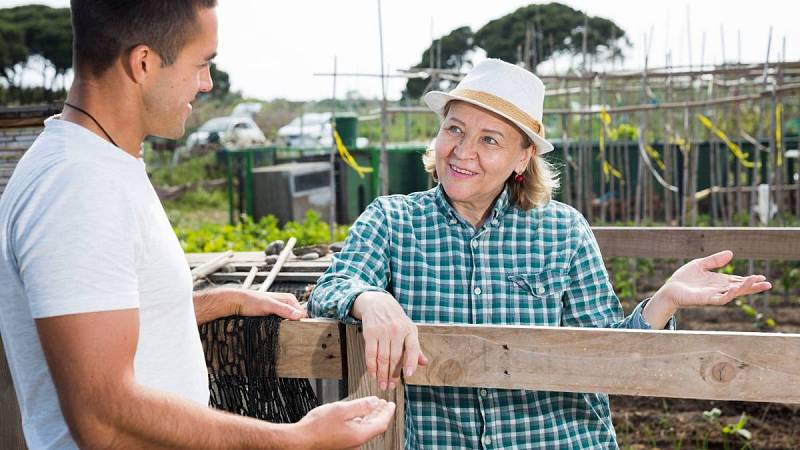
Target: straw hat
505 89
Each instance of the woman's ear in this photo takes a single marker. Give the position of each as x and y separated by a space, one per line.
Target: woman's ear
525 159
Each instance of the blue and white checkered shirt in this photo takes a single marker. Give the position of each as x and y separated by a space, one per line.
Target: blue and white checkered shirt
537 267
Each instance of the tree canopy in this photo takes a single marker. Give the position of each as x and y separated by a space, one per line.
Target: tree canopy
34 30
550 29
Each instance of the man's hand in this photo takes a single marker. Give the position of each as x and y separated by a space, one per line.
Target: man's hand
254 303
220 302
695 284
346 424
388 334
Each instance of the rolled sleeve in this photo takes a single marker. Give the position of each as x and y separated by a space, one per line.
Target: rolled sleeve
361 266
590 300
636 320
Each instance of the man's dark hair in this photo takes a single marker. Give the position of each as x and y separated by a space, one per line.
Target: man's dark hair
103 30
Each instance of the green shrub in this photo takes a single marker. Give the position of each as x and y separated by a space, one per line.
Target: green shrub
248 235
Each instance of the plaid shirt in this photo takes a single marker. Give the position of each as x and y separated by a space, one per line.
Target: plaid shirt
540 267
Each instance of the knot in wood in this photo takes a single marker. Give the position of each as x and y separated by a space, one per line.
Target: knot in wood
447 371
723 372
720 368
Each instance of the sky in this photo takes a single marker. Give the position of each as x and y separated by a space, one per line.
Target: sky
272 49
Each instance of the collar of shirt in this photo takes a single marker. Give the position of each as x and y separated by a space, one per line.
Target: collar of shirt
501 205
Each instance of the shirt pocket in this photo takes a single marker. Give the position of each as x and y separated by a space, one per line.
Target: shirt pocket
537 296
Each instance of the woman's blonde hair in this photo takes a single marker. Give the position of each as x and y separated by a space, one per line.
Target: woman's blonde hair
540 177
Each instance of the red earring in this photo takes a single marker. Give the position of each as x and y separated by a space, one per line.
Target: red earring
519 178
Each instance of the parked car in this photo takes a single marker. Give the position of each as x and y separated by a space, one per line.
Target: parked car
230 132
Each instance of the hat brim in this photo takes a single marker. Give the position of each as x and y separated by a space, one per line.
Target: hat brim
436 101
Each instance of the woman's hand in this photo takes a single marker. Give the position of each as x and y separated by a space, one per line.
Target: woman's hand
388 334
694 284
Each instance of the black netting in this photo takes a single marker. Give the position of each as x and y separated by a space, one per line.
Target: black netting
240 355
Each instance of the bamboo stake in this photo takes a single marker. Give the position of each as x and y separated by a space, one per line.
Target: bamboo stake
668 148
211 266
626 157
282 257
603 160
250 277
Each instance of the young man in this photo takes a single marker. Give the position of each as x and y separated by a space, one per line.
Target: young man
97 313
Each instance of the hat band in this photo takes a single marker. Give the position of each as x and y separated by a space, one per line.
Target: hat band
504 106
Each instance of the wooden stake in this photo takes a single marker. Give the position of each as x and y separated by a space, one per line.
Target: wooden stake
282 257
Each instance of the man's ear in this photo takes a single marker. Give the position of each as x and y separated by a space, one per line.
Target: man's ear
142 63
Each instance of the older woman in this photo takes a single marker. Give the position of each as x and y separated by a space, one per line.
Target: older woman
489 246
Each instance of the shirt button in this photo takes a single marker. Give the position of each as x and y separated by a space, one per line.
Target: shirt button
477 291
452 221
539 290
475 244
487 440
484 392
495 222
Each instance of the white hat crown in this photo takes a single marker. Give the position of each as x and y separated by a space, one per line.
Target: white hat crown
503 88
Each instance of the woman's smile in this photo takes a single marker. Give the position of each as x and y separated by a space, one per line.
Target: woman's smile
459 173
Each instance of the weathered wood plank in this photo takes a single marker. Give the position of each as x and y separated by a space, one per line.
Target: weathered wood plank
692 242
250 258
309 349
361 384
761 367
11 436
683 364
303 277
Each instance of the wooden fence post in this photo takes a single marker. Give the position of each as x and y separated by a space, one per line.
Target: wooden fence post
361 384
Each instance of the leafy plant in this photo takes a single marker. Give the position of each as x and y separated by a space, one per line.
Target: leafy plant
736 431
249 235
759 320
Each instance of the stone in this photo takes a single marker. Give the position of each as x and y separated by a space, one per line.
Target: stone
274 247
310 256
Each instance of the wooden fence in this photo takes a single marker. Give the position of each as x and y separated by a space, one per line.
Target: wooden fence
762 367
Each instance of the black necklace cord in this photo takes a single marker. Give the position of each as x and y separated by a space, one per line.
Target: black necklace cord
81 110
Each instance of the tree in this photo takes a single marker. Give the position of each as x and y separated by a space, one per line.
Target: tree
550 29
553 22
13 51
222 85
35 30
448 52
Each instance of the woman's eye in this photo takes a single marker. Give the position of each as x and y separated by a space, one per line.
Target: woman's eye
452 129
489 140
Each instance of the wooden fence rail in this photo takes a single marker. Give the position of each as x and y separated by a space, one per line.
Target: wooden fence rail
713 365
780 244
760 367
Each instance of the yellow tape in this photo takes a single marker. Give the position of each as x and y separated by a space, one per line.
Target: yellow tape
608 169
655 156
605 117
733 147
348 158
778 135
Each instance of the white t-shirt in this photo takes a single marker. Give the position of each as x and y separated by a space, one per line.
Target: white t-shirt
82 230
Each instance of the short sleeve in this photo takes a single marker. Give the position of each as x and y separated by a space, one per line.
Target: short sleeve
75 243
